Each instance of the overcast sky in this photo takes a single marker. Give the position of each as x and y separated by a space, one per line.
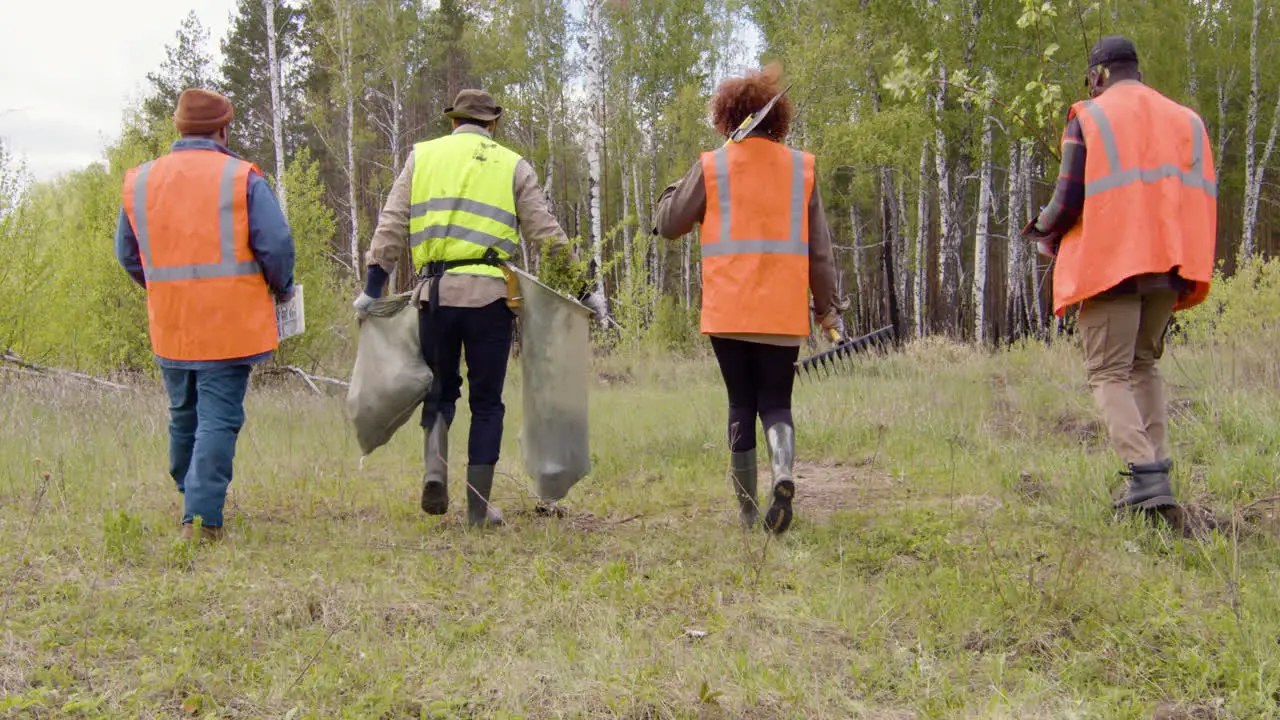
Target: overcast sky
69 69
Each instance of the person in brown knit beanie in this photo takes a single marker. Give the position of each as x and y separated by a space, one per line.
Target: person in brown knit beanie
203 113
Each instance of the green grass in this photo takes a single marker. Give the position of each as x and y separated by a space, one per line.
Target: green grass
953 556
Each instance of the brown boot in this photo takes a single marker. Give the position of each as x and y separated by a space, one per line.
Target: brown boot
207 534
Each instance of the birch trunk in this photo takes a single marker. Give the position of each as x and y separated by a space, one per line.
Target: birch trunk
855 223
277 103
1033 258
982 238
891 225
1014 264
627 246
946 240
1255 168
922 241
901 275
595 142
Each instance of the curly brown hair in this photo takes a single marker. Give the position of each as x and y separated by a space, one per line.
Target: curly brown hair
738 97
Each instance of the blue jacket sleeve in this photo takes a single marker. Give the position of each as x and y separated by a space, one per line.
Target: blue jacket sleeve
269 236
127 249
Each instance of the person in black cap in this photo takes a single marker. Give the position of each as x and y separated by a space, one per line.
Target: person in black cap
1133 226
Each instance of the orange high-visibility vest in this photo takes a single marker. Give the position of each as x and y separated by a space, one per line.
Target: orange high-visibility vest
206 296
1150 198
755 239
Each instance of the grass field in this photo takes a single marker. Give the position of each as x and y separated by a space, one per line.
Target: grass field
954 556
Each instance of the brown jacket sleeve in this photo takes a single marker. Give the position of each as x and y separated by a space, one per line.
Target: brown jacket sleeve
822 266
681 205
391 238
536 221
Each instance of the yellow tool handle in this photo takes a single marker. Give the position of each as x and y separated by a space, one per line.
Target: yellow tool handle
834 335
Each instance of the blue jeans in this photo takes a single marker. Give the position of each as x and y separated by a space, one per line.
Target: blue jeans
206 412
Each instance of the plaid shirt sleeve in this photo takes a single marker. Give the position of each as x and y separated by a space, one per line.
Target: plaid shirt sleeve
1067 204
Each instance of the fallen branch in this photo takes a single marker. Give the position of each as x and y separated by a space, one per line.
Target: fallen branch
308 378
12 358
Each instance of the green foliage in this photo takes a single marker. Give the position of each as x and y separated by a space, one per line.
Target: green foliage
1242 309
674 327
328 313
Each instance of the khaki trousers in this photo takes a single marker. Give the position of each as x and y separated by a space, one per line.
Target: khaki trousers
1123 337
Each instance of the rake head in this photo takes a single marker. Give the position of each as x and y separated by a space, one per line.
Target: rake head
838 359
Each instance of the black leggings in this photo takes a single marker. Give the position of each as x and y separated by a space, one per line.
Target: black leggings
759 379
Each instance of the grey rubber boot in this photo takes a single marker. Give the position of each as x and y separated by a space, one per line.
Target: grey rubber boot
435 481
1148 487
480 513
743 466
782 456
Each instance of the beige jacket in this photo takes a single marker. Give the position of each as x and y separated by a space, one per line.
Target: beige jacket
391 238
684 204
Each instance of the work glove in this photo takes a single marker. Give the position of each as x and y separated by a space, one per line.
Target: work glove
284 297
1046 243
362 304
595 301
833 325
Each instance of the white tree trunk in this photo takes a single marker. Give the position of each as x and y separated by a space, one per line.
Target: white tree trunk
1193 80
902 277
346 69
1014 266
1255 167
982 238
1033 258
277 102
947 250
922 242
595 139
1250 136
859 240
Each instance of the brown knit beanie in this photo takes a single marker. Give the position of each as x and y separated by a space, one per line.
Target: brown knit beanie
202 112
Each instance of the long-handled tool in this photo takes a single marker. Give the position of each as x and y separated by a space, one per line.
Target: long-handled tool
829 362
750 122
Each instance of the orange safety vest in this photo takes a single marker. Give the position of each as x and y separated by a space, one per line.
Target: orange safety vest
755 239
206 296
1150 198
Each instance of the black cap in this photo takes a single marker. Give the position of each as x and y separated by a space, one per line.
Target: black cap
1113 49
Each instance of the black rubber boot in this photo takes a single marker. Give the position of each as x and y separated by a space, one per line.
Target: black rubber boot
1148 487
435 481
480 513
743 465
782 455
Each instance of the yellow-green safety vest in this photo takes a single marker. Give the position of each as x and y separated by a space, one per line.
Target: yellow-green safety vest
463 201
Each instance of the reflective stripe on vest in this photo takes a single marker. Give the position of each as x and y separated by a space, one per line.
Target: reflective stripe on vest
755 250
1119 176
463 198
228 266
794 245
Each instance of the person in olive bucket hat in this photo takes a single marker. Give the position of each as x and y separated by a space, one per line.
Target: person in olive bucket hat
461 207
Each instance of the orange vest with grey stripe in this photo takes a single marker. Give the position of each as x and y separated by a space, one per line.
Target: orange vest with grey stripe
206 295
1150 198
755 239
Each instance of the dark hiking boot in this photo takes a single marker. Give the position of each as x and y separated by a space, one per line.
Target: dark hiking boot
782 453
1147 488
743 466
480 513
435 481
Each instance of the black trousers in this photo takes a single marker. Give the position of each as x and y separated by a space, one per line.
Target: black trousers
484 334
759 379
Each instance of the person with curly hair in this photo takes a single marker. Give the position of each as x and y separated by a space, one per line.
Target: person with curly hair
765 245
